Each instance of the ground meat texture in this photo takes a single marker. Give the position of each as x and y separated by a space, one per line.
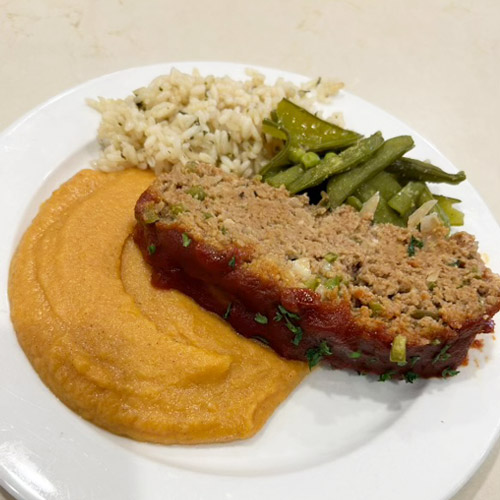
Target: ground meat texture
313 284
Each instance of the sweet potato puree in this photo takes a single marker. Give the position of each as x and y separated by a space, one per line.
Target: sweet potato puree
142 362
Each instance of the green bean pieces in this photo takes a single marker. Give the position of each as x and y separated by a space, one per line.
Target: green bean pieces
385 183
384 214
354 202
425 196
335 164
310 159
286 177
281 158
353 168
310 132
406 200
343 185
409 169
387 186
301 129
455 217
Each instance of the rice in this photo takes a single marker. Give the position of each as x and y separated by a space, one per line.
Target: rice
180 118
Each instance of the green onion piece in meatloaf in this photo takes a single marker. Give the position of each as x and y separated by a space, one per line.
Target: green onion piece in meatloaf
398 350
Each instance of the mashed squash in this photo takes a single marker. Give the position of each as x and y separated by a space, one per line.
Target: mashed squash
141 362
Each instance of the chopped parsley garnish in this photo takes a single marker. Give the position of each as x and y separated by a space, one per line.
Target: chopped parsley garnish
260 318
261 339
223 230
232 262
386 376
151 249
207 215
288 316
448 372
186 240
316 354
410 377
442 355
355 355
287 313
414 360
296 330
413 245
228 310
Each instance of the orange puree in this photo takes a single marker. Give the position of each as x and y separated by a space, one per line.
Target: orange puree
146 363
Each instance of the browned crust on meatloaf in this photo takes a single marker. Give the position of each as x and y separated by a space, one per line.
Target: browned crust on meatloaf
240 245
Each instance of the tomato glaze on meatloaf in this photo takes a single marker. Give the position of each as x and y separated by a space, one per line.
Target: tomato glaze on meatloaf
317 285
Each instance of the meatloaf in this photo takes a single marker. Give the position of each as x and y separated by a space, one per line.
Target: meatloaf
317 285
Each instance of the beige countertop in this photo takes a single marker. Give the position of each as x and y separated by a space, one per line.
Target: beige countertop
432 63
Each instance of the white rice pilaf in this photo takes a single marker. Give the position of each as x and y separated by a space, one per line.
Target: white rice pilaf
180 118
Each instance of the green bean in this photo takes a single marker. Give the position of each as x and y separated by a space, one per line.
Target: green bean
330 154
310 160
310 132
285 177
296 154
425 196
301 129
281 158
335 164
384 214
385 183
406 200
343 185
455 216
354 202
409 169
273 129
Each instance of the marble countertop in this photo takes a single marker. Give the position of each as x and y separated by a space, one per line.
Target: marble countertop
432 63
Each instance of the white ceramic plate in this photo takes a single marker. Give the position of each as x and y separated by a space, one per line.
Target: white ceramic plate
338 434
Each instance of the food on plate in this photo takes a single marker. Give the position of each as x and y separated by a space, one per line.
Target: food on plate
180 117
141 362
249 127
314 284
358 271
352 169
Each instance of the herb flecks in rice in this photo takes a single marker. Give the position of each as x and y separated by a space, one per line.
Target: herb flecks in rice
180 118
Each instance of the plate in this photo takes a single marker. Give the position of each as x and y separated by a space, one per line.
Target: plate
338 432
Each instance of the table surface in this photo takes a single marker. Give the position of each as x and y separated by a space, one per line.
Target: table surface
432 63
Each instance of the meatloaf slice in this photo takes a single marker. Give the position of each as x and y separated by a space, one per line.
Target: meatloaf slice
317 285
